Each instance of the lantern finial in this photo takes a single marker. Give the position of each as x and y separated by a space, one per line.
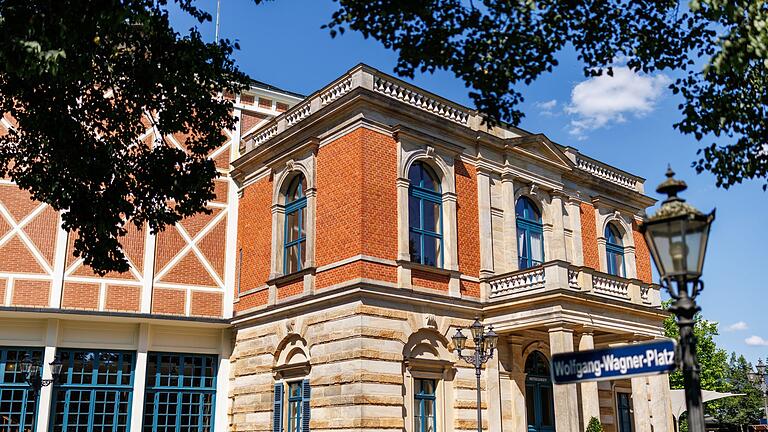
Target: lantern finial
671 186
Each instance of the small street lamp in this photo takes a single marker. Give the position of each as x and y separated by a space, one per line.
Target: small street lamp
760 380
485 343
31 370
677 238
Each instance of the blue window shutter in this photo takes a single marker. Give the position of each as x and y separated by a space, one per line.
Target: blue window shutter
277 423
305 409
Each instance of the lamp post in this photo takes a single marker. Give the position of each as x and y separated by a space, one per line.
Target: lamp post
31 370
485 344
677 239
759 380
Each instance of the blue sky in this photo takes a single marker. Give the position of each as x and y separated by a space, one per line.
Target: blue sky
625 121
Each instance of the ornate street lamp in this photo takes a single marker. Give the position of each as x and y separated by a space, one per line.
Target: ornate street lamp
760 381
485 344
677 238
31 370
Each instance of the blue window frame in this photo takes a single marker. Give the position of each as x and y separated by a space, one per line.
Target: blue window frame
95 392
180 393
291 406
295 237
539 401
18 406
424 398
530 234
624 411
614 251
425 211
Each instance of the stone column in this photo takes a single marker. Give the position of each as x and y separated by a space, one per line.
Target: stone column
574 211
46 393
565 395
140 377
510 223
557 240
493 393
484 218
403 251
660 405
590 400
640 406
516 410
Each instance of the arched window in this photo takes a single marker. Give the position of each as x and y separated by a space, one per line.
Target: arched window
539 402
614 251
530 234
425 216
295 242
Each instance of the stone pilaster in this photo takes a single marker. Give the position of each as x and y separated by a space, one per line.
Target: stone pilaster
565 395
590 400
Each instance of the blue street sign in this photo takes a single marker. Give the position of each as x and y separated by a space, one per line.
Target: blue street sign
614 363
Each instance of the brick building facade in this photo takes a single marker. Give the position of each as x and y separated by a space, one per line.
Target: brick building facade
354 230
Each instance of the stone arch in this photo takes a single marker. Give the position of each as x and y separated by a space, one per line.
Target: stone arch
284 177
291 351
427 344
434 161
539 197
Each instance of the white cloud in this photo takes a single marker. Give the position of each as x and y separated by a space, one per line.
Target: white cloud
599 101
547 108
756 341
738 326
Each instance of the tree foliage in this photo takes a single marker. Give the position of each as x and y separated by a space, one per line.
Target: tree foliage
720 46
594 425
718 373
78 78
738 412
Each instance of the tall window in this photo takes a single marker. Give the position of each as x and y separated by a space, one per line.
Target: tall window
95 392
614 250
530 234
180 392
624 408
424 216
295 242
17 405
540 408
424 405
291 408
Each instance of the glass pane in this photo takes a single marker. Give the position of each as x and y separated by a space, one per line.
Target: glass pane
547 418
417 421
530 405
522 249
431 217
292 259
414 245
430 253
537 248
292 226
303 224
303 255
414 212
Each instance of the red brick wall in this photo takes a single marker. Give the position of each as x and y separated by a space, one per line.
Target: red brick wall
467 219
642 256
31 293
123 298
589 236
339 199
431 280
168 301
252 300
469 288
356 270
290 289
254 234
206 303
379 194
78 295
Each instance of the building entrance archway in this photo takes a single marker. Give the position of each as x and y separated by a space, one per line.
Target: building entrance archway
539 403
